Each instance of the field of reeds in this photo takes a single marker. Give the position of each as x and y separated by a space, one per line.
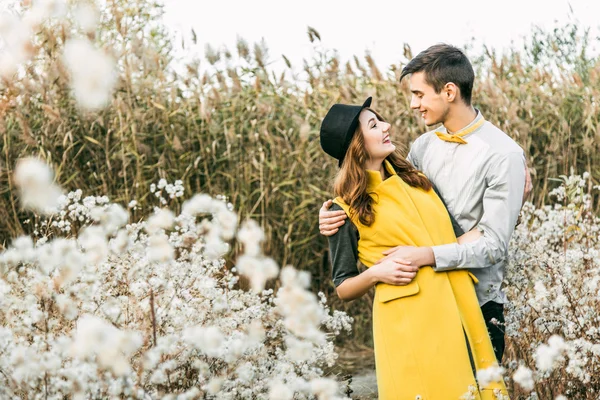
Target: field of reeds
229 125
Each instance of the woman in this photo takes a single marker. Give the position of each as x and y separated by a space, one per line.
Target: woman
429 334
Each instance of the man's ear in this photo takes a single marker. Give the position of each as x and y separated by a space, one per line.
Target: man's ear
451 92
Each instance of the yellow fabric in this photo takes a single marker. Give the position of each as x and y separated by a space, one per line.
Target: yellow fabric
458 137
420 346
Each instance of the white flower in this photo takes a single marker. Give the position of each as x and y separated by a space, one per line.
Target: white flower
87 16
489 375
92 73
546 355
228 223
111 218
214 385
258 270
205 339
199 204
50 8
324 388
23 246
159 248
162 219
280 391
34 178
251 236
245 372
111 346
66 306
298 350
93 240
16 35
119 244
524 377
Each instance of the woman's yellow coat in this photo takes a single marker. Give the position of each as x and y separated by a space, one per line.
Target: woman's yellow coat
419 329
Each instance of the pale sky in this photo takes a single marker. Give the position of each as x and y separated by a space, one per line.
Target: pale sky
380 26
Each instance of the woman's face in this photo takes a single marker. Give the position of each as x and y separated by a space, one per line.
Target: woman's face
376 135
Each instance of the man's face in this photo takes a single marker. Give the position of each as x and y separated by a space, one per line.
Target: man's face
432 106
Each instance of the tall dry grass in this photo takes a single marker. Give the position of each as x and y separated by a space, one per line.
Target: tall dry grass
238 129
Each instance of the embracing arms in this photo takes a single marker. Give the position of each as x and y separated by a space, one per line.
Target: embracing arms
486 244
350 283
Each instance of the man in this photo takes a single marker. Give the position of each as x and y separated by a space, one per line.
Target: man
479 171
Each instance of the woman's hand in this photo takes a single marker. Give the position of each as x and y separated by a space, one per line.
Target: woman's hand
394 272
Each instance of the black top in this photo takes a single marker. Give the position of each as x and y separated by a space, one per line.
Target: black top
343 247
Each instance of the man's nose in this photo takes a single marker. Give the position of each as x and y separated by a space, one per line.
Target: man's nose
414 102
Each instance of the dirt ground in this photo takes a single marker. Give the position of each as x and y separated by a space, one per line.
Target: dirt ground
356 369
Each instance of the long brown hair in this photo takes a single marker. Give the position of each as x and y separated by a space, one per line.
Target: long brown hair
352 179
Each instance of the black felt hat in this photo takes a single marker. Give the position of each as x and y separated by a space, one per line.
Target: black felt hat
338 127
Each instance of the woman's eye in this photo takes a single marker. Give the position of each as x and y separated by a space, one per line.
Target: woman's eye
374 126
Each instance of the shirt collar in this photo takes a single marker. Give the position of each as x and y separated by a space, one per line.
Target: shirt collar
467 130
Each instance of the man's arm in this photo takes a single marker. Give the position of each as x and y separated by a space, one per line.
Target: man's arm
502 201
528 184
421 256
330 221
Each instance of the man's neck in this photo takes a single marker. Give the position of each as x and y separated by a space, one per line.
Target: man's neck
460 118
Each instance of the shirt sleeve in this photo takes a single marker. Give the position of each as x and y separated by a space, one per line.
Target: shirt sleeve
343 248
502 202
412 156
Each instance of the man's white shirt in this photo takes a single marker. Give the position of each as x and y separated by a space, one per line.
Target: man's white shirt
482 184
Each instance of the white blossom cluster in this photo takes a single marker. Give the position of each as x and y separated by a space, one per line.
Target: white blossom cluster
92 71
173 190
113 309
552 319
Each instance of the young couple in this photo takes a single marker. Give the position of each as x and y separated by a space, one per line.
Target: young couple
438 307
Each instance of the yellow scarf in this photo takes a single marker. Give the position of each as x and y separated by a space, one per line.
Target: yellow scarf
458 137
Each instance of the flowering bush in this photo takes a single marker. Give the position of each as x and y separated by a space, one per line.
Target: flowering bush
553 280
92 306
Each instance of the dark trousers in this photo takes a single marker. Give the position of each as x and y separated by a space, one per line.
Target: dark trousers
495 312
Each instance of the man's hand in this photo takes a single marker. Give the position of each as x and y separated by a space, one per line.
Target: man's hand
528 185
393 272
330 221
416 256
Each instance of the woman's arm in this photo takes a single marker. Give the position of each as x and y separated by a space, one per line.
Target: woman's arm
392 272
343 248
355 287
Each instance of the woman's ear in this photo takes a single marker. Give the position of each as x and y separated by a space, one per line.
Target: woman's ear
450 91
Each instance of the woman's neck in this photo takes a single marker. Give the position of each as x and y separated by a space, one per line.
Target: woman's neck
376 165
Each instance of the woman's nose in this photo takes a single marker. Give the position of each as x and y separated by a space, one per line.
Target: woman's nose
386 127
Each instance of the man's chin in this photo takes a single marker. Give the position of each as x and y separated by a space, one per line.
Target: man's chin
430 122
